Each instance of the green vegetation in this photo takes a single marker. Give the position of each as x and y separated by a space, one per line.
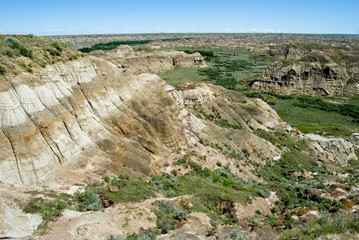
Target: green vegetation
224 123
55 203
48 210
231 69
286 177
87 201
319 115
344 223
344 109
128 190
114 44
180 75
208 55
281 139
216 117
208 190
2 70
166 214
26 53
148 235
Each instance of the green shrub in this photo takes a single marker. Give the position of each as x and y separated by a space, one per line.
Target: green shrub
88 200
8 53
106 179
12 42
129 190
210 232
237 234
48 209
26 52
245 152
180 214
181 161
115 237
124 176
224 123
148 235
2 70
174 172
57 46
54 52
165 214
72 57
195 166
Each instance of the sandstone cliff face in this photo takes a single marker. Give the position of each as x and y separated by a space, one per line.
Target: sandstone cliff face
75 113
312 74
88 114
125 58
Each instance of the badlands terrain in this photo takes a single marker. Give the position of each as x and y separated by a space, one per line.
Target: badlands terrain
179 136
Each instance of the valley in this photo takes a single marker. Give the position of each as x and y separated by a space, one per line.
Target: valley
179 136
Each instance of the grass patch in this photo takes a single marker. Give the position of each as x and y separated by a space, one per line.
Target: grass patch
208 189
55 203
226 68
224 123
317 115
129 190
34 51
166 214
48 210
180 75
288 179
345 223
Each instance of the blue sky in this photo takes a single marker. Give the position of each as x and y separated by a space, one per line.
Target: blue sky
50 17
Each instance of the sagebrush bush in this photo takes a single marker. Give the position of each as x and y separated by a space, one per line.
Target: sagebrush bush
8 53
57 46
88 200
237 234
12 42
180 214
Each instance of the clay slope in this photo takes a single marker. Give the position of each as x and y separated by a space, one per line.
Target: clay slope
315 73
88 114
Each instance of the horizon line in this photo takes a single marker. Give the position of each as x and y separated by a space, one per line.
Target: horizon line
151 33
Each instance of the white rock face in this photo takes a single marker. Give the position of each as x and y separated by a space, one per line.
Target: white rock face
89 114
15 224
11 111
71 113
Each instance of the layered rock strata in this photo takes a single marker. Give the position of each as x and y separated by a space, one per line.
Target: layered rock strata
312 74
88 114
136 62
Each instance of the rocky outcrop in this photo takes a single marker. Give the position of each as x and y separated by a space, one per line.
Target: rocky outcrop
13 222
88 114
80 112
125 58
337 150
315 73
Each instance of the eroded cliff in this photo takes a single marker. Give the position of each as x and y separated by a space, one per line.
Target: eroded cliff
92 122
308 73
153 61
90 113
